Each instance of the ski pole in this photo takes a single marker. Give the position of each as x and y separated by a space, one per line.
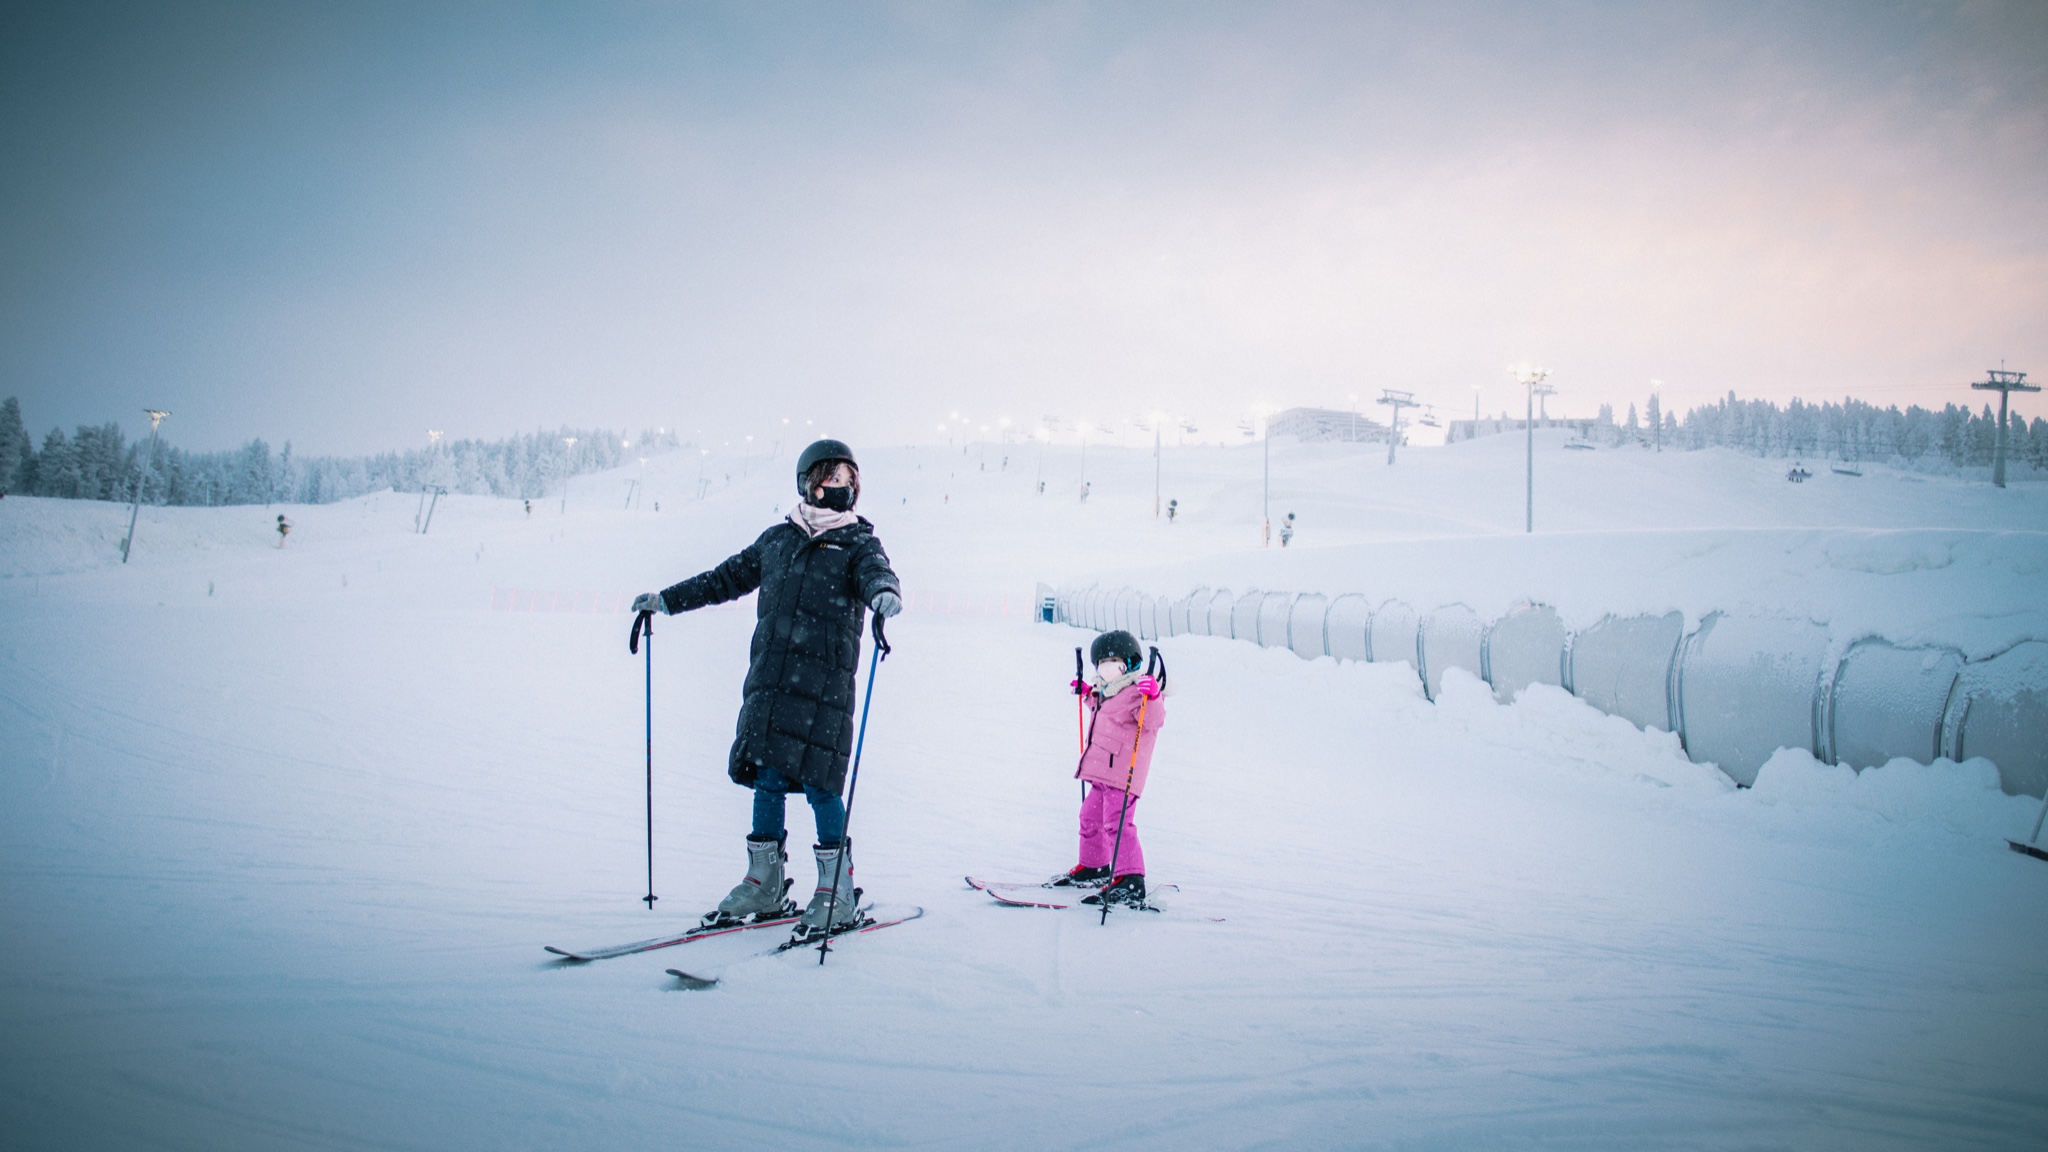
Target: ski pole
643 625
1130 774
852 782
1081 711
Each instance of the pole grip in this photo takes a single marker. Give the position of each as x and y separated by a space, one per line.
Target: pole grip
644 622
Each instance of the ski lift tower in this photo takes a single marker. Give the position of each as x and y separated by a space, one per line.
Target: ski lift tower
2005 384
1531 379
1398 400
156 417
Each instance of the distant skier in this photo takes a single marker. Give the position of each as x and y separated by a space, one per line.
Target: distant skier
1172 510
529 509
284 529
1129 712
1287 530
1086 487
818 571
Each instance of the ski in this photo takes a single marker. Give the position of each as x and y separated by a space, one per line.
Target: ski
2028 850
1024 886
701 932
865 925
1062 896
1027 900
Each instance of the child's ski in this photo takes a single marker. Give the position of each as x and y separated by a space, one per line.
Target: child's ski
981 885
866 924
1049 896
700 932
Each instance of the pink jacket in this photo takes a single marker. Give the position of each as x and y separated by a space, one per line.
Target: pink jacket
1113 737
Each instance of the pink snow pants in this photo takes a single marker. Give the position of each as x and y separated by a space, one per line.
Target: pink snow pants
1099 812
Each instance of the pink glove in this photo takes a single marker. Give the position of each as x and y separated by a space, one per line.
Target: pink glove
1079 686
1147 687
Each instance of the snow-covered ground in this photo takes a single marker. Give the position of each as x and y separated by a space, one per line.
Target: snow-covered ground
282 831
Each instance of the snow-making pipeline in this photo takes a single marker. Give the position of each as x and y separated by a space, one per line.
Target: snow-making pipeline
1734 688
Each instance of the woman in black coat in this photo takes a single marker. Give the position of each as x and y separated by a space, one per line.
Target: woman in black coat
818 573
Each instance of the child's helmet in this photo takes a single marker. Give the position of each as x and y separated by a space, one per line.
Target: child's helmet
818 453
1119 644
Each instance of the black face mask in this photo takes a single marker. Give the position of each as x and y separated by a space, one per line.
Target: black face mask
836 499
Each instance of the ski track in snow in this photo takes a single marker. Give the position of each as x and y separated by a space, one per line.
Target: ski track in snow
279 860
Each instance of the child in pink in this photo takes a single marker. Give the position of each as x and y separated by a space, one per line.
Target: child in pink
1129 711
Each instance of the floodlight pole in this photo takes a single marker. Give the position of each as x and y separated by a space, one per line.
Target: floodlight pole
1155 468
2005 384
156 417
570 466
1266 481
1530 378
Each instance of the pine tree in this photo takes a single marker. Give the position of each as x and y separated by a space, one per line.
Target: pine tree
15 446
56 469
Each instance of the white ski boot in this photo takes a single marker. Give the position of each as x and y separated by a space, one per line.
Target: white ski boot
844 908
763 895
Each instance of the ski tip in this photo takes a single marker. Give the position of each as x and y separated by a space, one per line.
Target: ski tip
2028 850
570 956
694 982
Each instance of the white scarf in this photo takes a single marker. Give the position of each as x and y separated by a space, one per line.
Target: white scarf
1116 684
816 521
1108 688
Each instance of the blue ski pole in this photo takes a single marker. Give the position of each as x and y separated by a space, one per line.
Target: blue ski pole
852 782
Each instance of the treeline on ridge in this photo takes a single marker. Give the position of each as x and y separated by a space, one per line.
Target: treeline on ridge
96 462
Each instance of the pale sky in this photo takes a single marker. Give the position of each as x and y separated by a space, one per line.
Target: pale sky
343 224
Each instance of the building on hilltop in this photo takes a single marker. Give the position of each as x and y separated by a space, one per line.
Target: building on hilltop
1327 424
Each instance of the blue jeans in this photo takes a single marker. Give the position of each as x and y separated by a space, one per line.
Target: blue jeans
769 799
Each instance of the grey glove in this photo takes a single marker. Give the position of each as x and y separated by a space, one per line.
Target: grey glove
886 604
649 602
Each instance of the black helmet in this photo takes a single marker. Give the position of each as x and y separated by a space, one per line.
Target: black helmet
1119 644
820 452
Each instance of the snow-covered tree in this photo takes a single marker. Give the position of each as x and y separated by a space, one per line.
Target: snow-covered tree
15 445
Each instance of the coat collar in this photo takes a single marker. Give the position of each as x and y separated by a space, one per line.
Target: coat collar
840 535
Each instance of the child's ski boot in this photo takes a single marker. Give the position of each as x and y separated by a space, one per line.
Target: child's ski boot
762 895
1080 876
1128 890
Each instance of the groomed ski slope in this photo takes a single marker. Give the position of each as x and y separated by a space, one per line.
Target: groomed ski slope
277 861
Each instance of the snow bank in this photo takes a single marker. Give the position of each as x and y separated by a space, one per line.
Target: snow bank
1964 798
278 861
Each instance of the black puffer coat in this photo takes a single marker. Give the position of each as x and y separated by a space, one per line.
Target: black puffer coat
798 706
